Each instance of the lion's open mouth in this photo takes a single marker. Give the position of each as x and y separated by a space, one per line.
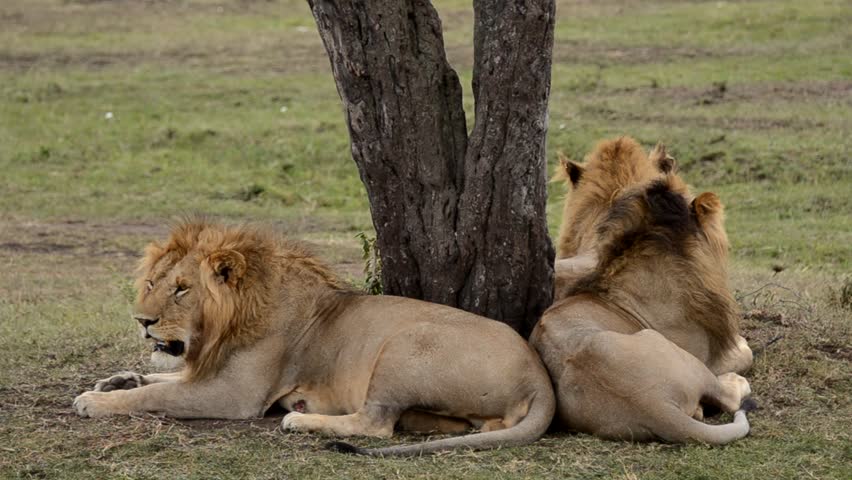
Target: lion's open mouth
172 347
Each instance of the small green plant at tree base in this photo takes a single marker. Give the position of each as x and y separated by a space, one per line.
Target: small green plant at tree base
372 264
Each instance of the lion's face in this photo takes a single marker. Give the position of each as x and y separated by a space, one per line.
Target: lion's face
196 297
168 307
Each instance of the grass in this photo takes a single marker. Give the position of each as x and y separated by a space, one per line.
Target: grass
229 108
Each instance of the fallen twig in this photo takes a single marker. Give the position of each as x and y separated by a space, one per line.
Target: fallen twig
759 350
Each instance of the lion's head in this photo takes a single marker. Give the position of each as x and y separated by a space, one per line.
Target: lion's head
203 293
650 237
613 167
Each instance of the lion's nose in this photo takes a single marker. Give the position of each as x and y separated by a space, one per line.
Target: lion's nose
145 320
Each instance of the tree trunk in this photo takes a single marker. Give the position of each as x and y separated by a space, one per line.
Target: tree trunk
459 221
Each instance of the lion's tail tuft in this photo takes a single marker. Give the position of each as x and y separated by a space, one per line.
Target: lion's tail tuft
749 405
343 447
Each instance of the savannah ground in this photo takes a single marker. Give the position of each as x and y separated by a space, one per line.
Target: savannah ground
229 108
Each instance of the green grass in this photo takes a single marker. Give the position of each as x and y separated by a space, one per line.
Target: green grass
753 98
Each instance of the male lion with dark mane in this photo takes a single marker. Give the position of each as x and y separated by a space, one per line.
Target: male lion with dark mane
257 320
644 329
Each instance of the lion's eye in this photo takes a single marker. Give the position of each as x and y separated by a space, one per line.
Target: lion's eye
181 291
149 285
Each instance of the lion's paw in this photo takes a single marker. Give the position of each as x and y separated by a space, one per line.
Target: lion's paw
294 422
738 382
121 381
93 404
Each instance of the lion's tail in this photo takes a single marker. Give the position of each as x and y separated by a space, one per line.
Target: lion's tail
683 428
528 430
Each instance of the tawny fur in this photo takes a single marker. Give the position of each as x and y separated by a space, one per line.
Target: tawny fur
644 321
609 169
617 173
263 321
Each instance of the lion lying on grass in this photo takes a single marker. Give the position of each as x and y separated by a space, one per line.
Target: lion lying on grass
643 308
256 320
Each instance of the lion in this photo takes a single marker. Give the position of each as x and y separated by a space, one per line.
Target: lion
256 320
611 171
644 329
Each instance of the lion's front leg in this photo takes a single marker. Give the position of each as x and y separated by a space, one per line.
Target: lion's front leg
177 399
130 380
569 271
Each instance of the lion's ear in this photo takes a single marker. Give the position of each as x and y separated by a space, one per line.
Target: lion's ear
568 170
575 172
706 207
228 266
665 162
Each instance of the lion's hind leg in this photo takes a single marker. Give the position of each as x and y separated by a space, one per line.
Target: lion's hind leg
419 421
370 421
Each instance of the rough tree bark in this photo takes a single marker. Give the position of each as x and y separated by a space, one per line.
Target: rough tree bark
459 220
